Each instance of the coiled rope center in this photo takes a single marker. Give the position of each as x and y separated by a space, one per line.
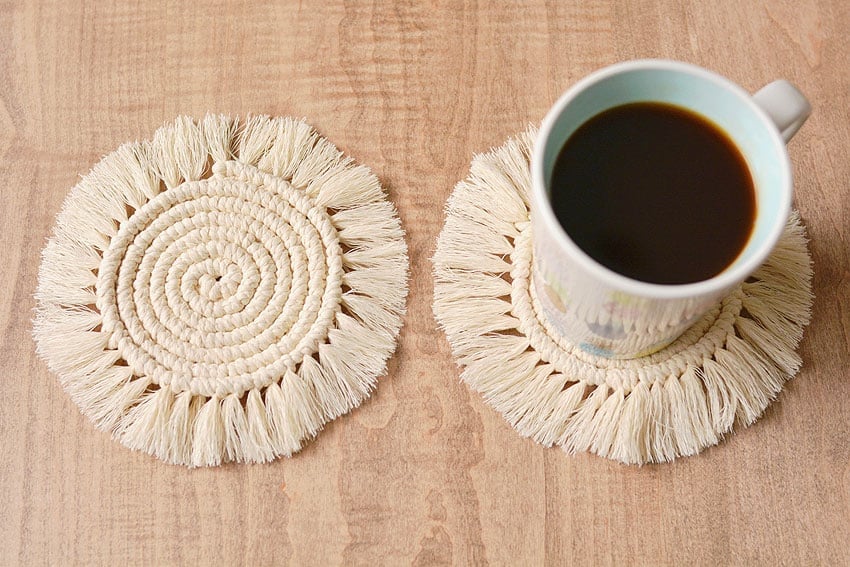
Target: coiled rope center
220 285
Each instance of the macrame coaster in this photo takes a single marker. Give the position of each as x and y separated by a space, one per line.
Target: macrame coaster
222 291
725 369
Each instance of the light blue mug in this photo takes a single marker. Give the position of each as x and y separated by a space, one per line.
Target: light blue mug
607 313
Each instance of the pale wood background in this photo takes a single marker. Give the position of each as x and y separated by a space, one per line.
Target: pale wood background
423 473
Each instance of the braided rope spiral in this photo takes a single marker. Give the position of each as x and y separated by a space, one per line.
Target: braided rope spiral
220 285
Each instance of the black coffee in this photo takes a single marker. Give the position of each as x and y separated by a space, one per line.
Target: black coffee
654 192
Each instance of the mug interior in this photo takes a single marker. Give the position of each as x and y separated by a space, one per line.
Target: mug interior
708 95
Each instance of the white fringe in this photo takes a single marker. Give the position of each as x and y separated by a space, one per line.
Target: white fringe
659 417
261 424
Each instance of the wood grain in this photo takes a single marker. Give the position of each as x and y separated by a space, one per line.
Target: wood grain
423 473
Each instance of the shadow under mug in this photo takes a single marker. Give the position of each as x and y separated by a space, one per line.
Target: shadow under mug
606 313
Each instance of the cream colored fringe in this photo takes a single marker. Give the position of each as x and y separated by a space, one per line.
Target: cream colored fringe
182 398
725 369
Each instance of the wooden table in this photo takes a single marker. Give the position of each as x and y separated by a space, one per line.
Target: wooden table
424 472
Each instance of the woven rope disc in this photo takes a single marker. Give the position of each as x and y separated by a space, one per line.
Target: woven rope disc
725 369
220 292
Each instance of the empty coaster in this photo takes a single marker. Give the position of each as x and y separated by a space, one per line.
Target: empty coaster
222 291
724 370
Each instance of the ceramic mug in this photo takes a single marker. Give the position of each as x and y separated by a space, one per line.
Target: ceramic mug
606 313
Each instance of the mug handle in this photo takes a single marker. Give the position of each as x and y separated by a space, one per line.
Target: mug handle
785 105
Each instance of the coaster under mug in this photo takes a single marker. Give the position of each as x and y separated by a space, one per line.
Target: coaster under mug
725 369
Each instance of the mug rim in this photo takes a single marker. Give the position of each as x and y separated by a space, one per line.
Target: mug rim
725 279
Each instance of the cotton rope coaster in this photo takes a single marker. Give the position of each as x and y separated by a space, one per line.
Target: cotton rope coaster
725 369
222 291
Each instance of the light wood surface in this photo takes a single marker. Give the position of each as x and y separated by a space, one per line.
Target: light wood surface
423 473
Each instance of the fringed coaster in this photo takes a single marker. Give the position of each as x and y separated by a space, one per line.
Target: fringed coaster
725 369
222 291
